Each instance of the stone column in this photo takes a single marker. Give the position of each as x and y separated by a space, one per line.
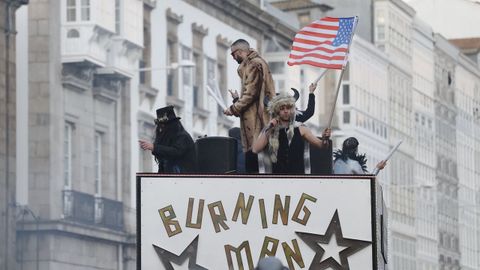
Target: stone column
7 133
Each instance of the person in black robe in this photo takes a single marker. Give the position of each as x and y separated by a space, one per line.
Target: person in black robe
173 147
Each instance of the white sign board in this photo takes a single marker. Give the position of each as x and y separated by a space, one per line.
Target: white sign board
230 222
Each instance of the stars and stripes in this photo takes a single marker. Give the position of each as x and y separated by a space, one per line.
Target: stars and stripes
323 43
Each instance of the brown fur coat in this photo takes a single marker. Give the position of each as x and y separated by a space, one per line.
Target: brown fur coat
257 83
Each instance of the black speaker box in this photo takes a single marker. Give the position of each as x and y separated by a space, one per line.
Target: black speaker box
216 155
321 160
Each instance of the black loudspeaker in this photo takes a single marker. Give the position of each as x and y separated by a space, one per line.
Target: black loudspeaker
321 160
216 155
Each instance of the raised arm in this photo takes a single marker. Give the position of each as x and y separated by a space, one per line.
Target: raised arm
261 142
312 139
252 84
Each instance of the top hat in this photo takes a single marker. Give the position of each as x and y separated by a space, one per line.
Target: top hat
166 115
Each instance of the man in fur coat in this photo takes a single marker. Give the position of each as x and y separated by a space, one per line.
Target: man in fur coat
257 83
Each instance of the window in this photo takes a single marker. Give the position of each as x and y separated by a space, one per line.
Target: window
97 152
67 155
71 11
73 33
117 16
277 67
141 73
222 83
197 80
210 72
346 117
381 32
85 9
170 73
346 94
78 10
280 85
304 18
186 72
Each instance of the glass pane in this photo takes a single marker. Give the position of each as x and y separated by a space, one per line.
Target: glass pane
71 16
277 67
85 13
71 3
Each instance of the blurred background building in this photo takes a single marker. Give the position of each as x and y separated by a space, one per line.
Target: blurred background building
91 73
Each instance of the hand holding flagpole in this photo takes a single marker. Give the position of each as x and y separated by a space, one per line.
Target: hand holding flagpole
389 155
321 75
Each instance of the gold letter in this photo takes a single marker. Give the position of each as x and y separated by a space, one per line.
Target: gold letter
189 223
229 249
278 207
265 251
304 220
168 220
241 206
289 254
220 218
261 203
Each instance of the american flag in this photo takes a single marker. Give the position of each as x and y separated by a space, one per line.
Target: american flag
323 43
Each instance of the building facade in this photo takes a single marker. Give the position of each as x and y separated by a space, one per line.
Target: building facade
446 57
94 72
78 210
424 137
466 85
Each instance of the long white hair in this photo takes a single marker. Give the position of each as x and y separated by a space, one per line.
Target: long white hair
274 108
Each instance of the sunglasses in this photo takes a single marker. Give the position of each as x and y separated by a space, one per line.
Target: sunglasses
233 53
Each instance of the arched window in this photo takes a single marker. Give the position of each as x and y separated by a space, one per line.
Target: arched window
73 33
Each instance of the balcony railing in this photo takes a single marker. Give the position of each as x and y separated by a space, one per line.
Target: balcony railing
88 209
112 214
78 206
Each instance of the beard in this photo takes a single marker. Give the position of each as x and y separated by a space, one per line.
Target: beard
239 60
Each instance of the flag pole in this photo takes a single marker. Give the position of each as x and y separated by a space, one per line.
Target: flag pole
341 74
321 75
216 98
335 100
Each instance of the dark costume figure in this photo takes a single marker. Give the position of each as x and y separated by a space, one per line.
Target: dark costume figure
173 148
290 155
348 161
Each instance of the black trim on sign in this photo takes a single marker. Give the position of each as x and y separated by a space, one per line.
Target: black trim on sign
373 202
